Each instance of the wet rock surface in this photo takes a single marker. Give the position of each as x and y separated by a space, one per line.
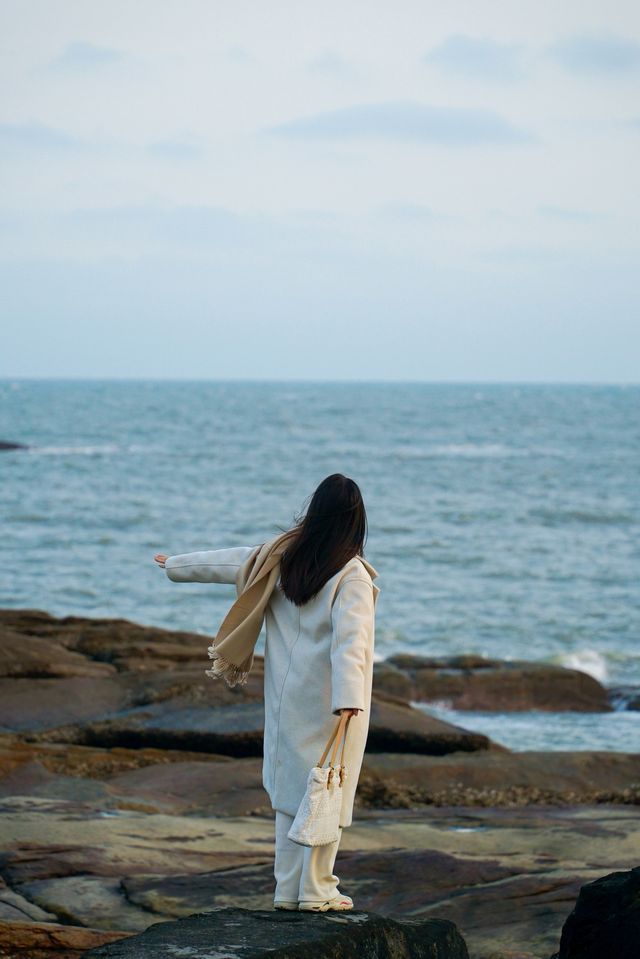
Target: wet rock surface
505 877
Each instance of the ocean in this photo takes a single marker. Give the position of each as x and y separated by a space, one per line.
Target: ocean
503 518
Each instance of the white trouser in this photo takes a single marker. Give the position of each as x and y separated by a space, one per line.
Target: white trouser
303 872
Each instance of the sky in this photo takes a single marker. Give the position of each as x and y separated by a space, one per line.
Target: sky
353 190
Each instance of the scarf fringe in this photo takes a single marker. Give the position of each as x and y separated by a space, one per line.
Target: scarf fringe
223 669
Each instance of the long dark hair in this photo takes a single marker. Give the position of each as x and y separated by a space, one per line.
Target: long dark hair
332 532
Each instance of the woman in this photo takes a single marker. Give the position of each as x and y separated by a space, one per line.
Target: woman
319 610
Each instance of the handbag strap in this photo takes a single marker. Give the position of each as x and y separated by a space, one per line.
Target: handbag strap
340 727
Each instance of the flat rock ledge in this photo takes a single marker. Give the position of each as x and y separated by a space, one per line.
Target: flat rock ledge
253 934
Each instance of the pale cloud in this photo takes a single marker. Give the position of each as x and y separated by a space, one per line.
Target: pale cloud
331 65
404 120
477 58
151 227
407 213
38 138
35 136
238 54
81 55
177 148
564 213
149 230
596 54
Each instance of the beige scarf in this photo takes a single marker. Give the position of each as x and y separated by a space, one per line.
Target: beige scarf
232 649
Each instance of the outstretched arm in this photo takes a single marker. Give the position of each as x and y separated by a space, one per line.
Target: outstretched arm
206 566
352 618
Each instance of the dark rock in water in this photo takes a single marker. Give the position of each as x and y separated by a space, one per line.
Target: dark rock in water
396 727
625 697
232 933
605 920
473 682
5 445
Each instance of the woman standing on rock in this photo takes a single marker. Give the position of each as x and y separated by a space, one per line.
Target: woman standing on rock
314 590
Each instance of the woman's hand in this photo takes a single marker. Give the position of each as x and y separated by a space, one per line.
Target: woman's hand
351 712
160 559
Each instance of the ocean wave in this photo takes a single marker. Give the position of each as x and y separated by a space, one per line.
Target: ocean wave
410 451
84 450
553 516
77 592
30 518
588 661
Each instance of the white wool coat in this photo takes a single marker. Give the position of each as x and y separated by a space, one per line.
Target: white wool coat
318 660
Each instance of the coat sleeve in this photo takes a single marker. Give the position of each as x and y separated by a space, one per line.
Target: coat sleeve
352 619
207 566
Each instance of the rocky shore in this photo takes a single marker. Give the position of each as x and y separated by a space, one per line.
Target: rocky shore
130 794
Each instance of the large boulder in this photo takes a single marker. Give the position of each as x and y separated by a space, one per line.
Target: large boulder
605 920
289 935
475 682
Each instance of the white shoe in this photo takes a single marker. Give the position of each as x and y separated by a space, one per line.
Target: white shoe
337 904
283 904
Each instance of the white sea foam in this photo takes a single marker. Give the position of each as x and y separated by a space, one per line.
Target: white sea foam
587 661
475 449
85 450
410 451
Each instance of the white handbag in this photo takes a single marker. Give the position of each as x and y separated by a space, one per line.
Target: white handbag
318 817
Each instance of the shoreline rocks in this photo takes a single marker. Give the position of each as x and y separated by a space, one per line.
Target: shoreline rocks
111 685
131 795
75 647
